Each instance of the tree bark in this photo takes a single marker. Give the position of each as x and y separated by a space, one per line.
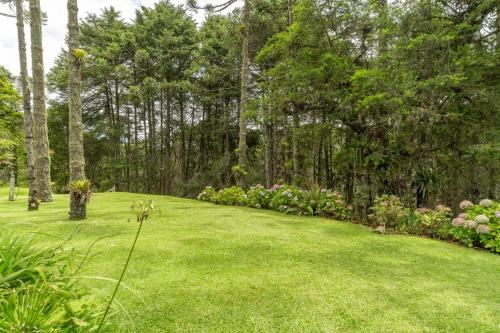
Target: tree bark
42 157
75 142
12 185
28 117
242 147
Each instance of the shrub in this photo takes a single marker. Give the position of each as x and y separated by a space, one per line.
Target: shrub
286 198
433 222
38 291
389 212
209 194
232 196
332 204
259 197
478 225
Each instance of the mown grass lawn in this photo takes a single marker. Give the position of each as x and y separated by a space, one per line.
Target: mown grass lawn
205 268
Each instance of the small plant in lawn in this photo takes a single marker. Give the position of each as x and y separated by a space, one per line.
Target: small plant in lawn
286 198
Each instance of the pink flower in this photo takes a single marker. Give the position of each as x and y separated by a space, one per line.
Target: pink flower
458 222
497 214
323 190
463 215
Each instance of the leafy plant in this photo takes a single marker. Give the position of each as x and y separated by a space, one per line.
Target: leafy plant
82 189
388 211
209 194
259 197
231 196
38 290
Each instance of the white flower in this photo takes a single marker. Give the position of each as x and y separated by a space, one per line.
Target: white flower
471 224
257 206
465 204
482 229
486 202
462 215
482 219
497 214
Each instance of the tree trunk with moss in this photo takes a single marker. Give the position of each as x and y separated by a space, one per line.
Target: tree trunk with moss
41 147
28 117
75 143
242 147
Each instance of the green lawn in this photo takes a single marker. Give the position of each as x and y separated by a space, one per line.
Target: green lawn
206 268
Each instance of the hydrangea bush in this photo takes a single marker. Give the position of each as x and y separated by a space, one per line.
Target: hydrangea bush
259 197
231 196
478 225
282 198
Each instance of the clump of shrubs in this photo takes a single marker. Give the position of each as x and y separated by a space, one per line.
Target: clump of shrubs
282 198
478 225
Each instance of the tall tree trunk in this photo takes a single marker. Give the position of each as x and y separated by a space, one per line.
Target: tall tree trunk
42 157
12 185
267 129
28 117
75 143
242 147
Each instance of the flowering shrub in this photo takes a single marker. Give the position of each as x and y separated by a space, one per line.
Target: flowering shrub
326 203
209 194
231 196
433 222
282 198
286 199
478 225
389 212
259 197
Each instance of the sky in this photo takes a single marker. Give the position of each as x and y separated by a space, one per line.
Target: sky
55 29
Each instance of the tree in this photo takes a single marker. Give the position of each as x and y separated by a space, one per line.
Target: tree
28 117
41 146
76 157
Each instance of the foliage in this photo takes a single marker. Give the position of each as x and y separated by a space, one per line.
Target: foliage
259 197
82 189
478 225
286 199
38 290
388 211
209 194
233 195
282 198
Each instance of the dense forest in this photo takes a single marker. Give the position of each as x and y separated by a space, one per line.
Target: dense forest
368 97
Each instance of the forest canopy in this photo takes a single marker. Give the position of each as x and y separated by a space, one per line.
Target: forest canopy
368 97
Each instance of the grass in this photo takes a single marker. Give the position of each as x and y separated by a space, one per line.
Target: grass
205 268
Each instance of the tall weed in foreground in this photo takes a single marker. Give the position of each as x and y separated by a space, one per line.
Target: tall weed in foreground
141 211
